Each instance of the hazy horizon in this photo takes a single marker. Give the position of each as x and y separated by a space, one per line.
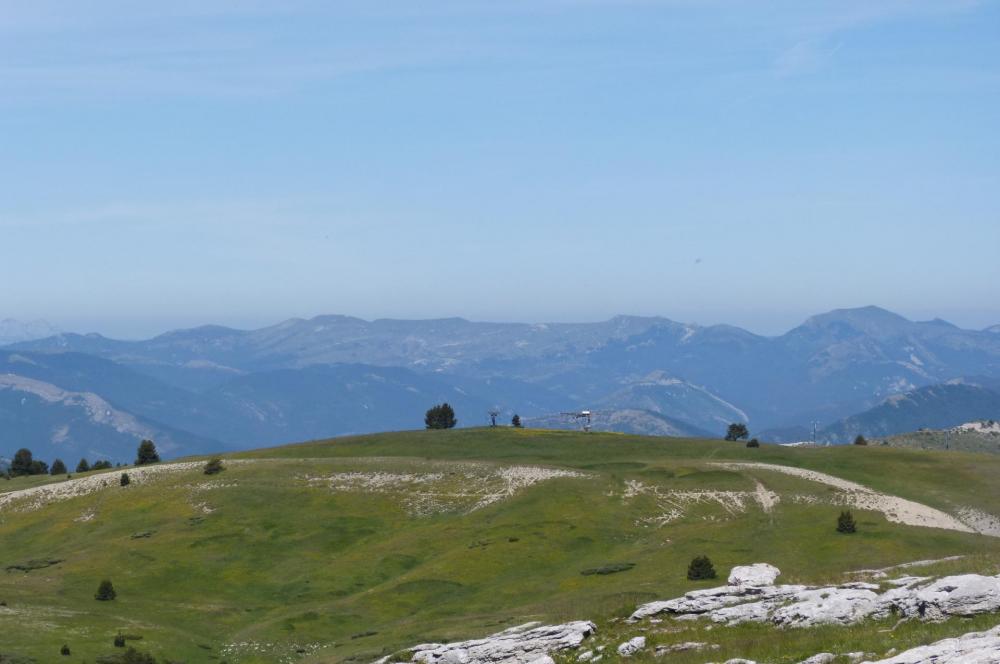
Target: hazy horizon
148 329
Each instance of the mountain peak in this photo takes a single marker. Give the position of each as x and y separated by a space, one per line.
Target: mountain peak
871 320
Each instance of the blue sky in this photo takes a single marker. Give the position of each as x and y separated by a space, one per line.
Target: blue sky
170 164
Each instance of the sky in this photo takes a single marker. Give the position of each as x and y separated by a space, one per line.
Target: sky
171 164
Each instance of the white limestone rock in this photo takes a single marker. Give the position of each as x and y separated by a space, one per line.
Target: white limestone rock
756 575
962 595
525 644
713 601
632 646
826 606
820 658
684 647
973 648
804 606
908 581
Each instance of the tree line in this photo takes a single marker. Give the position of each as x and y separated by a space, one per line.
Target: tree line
24 463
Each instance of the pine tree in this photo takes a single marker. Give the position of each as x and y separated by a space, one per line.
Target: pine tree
83 466
22 463
214 466
58 467
125 479
860 440
64 650
105 591
845 523
516 421
737 431
701 568
147 453
441 416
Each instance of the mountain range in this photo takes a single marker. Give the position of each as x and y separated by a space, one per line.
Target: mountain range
215 387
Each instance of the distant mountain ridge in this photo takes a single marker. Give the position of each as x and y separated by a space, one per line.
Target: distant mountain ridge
333 375
936 407
14 331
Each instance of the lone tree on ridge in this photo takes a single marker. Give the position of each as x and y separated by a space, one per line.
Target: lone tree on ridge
147 453
441 416
737 431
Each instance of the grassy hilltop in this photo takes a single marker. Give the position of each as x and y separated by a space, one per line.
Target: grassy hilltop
355 547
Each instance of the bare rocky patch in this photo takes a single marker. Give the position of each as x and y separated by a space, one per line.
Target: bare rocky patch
895 509
465 487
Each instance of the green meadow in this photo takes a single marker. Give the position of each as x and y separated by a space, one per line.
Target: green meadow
353 548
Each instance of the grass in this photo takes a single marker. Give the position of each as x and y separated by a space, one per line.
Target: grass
256 563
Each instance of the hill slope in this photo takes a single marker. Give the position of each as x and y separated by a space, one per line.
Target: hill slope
347 549
933 407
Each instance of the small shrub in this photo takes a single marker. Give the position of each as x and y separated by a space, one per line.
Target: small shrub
701 568
845 523
105 591
214 466
64 651
860 440
753 442
101 465
125 480
119 640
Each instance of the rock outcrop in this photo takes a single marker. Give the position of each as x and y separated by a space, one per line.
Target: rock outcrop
524 644
749 598
754 576
973 648
632 646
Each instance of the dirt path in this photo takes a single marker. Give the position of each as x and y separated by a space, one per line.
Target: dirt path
895 509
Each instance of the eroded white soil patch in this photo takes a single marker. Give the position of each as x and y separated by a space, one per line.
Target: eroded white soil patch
895 509
459 487
28 500
672 504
